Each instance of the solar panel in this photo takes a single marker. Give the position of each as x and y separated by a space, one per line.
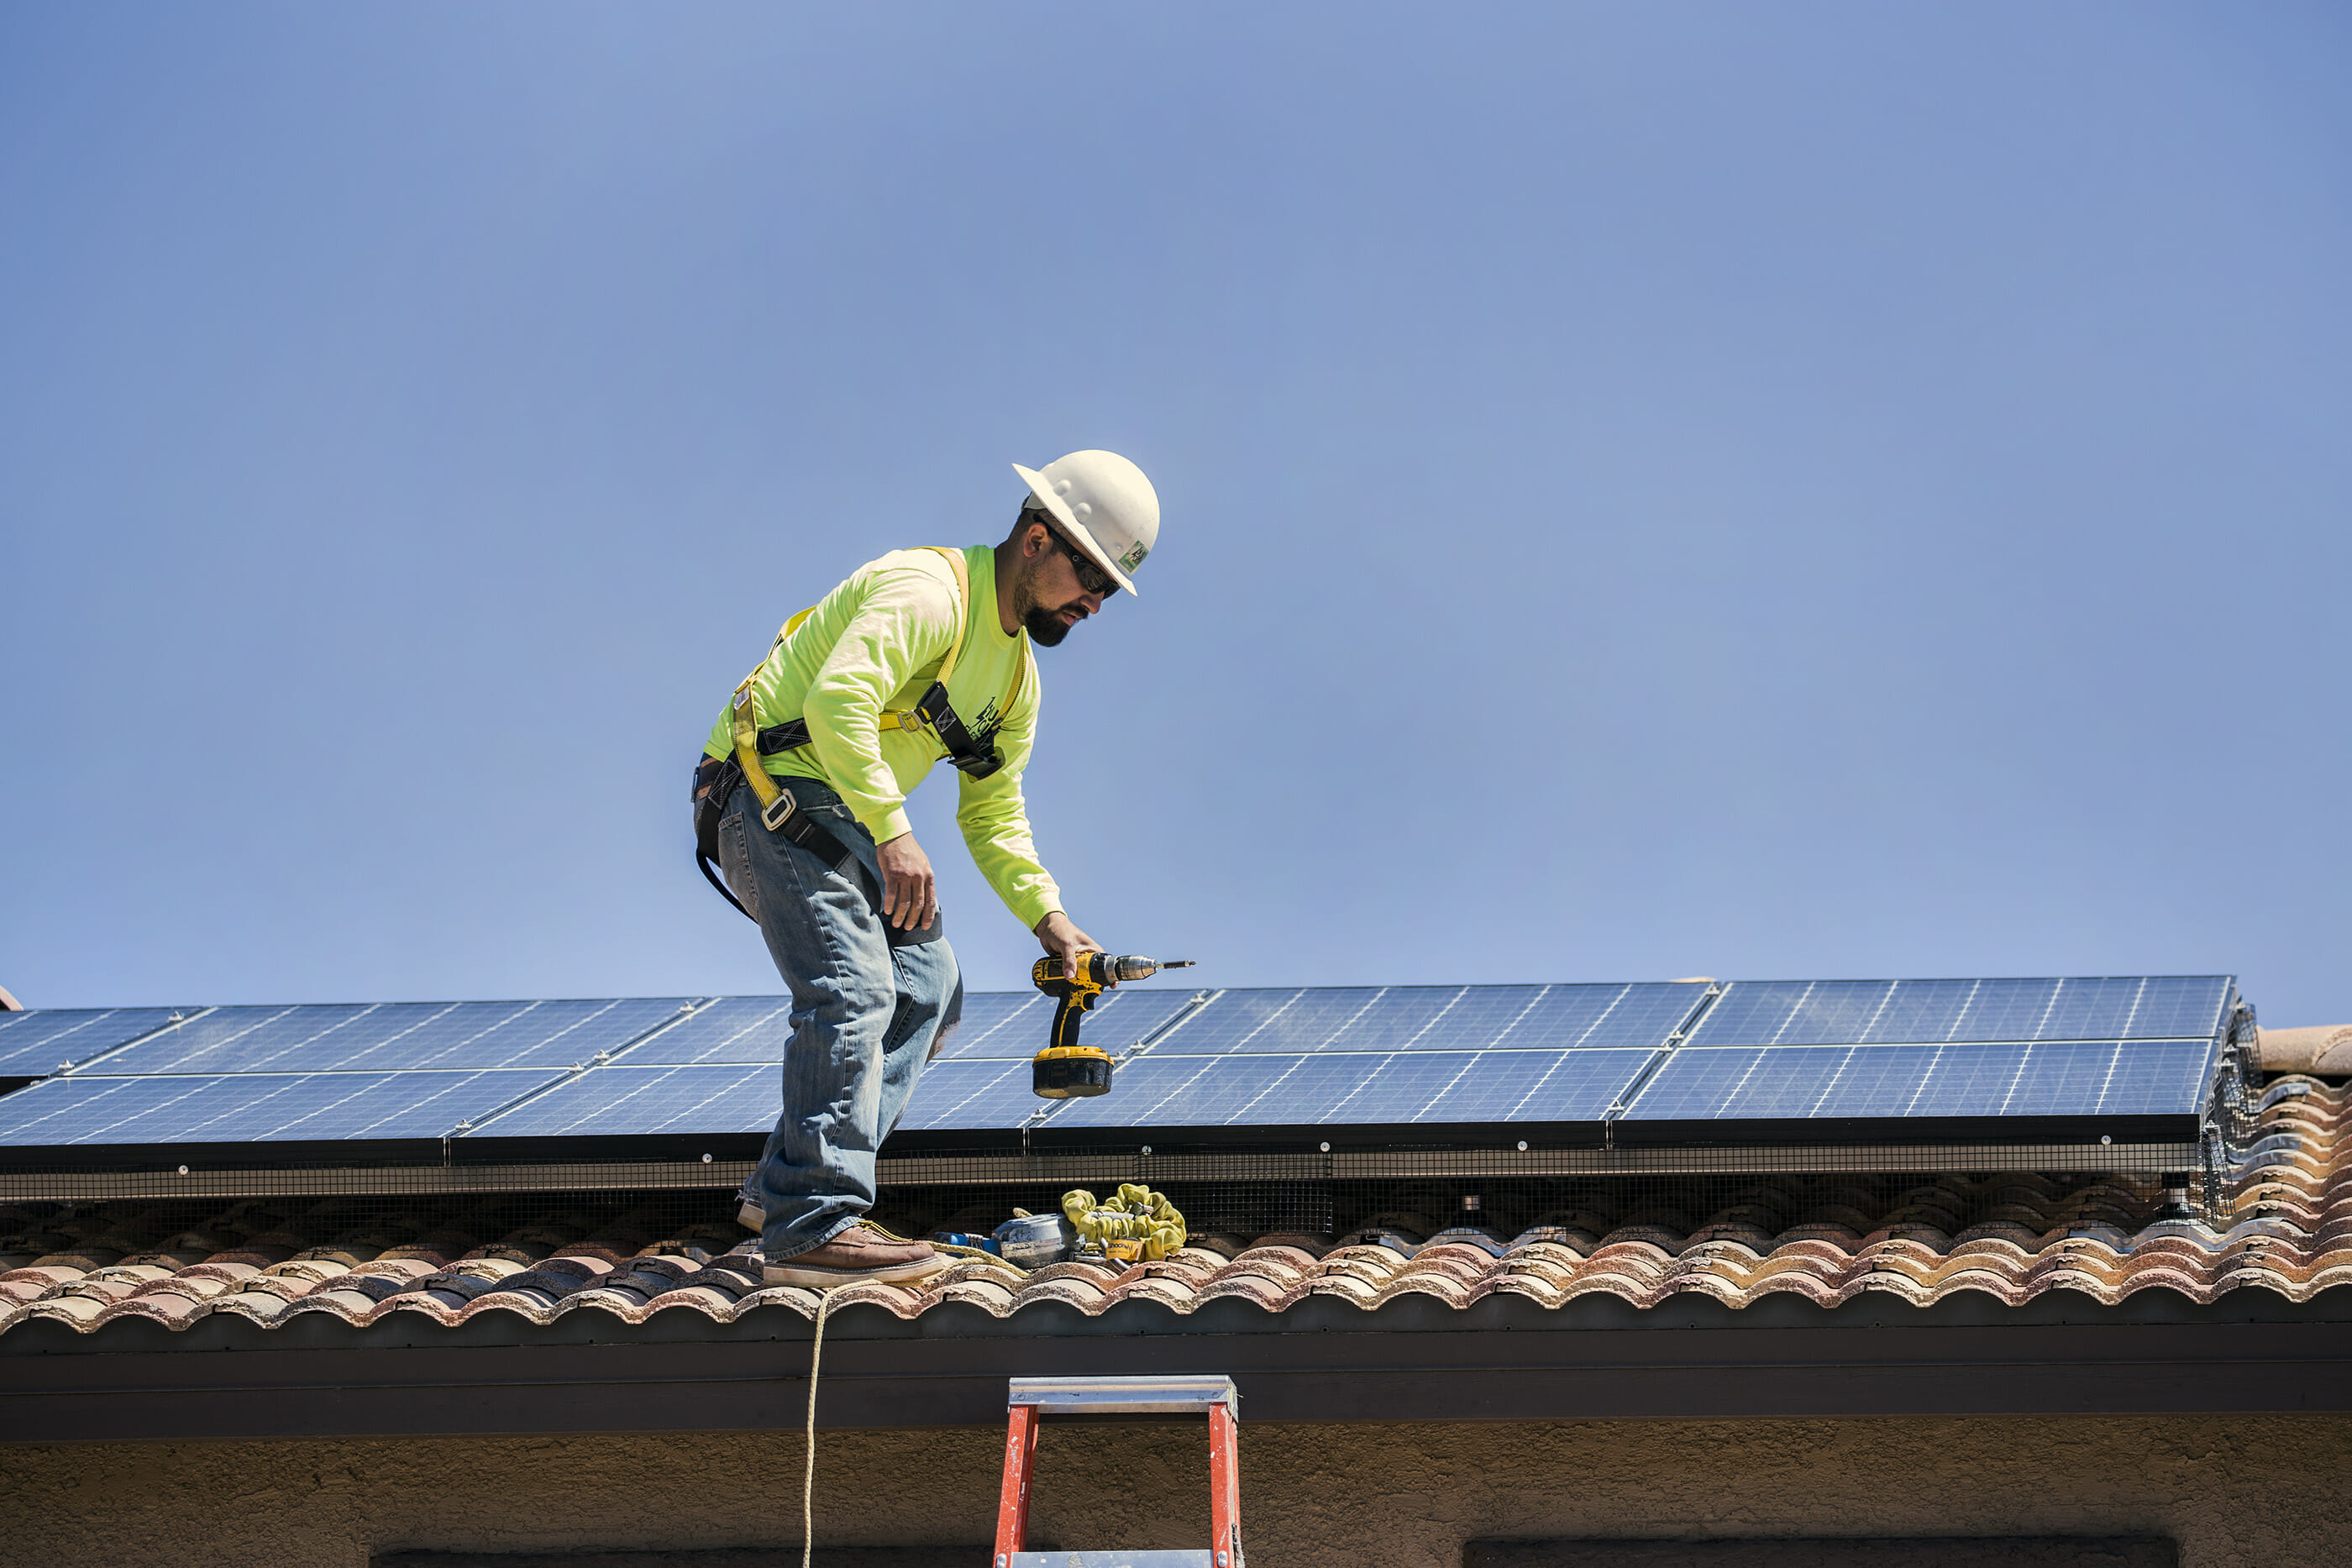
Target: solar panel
1973 1078
395 1036
1286 1021
1003 1024
253 1107
35 1044
1646 1054
1436 1018
978 1093
1175 1091
1011 1023
1596 1018
1339 1089
629 1100
729 1029
1378 1055
1871 1012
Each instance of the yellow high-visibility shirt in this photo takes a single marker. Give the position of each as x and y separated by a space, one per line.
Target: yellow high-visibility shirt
875 644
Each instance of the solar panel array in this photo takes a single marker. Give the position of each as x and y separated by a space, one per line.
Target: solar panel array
1394 1055
1803 1050
1644 1054
34 1044
318 1072
1883 1013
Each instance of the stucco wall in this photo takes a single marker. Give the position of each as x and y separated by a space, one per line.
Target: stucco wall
2234 1493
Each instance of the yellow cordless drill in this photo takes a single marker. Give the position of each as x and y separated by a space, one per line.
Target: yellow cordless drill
1065 1069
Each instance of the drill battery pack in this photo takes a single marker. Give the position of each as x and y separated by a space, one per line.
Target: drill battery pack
1070 1071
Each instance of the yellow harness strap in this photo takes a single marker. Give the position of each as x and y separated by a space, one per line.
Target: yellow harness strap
745 725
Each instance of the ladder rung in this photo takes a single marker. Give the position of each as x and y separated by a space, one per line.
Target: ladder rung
1198 1557
1124 1395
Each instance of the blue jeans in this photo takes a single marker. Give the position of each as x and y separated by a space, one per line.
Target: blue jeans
865 1016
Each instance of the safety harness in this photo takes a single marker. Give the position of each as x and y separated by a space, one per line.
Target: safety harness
715 778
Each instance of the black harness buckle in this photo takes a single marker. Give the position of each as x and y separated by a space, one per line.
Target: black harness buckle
973 758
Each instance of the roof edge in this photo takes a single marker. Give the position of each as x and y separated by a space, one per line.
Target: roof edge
1865 1359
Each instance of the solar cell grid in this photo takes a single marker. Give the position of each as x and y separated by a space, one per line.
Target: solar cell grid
627 1100
259 1108
1580 1086
2050 1078
1434 1018
2158 1007
1703 1085
1604 1017
1876 1081
2007 1010
396 1036
1277 1022
1394 1019
729 1029
1277 1091
980 1093
1968 1078
1749 1013
1001 1024
34 1043
1172 1092
1498 1086
1923 1010
2162 1078
1839 1012
1329 1088
2065 1078
222 1039
1419 1086
1793 1013
1368 1056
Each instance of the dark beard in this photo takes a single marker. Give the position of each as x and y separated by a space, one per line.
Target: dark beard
1044 627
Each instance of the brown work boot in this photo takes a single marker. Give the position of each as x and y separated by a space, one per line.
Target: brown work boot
859 1254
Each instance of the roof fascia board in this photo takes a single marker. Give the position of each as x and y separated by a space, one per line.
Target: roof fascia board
2276 1359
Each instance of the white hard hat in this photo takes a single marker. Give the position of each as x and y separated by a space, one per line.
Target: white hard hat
1103 504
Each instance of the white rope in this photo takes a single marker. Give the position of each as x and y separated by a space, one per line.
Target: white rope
808 1477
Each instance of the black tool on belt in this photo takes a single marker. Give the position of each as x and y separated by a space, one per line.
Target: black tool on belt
715 778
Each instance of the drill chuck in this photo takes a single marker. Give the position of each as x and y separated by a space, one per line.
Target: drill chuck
1139 969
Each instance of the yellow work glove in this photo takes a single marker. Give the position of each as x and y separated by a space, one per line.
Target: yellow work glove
1136 1214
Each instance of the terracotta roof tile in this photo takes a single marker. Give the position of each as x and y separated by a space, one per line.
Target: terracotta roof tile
2293 1238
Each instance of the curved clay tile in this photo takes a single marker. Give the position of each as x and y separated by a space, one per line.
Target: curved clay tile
1084 1294
1272 1294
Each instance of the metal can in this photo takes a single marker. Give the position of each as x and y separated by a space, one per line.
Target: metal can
1037 1240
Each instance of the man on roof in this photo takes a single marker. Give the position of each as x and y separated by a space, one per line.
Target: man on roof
920 657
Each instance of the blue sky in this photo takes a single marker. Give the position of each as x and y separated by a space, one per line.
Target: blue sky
1755 491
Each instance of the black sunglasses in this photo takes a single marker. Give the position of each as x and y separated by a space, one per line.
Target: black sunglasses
1091 577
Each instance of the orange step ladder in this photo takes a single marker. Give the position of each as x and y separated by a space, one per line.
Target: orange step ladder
1031 1399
